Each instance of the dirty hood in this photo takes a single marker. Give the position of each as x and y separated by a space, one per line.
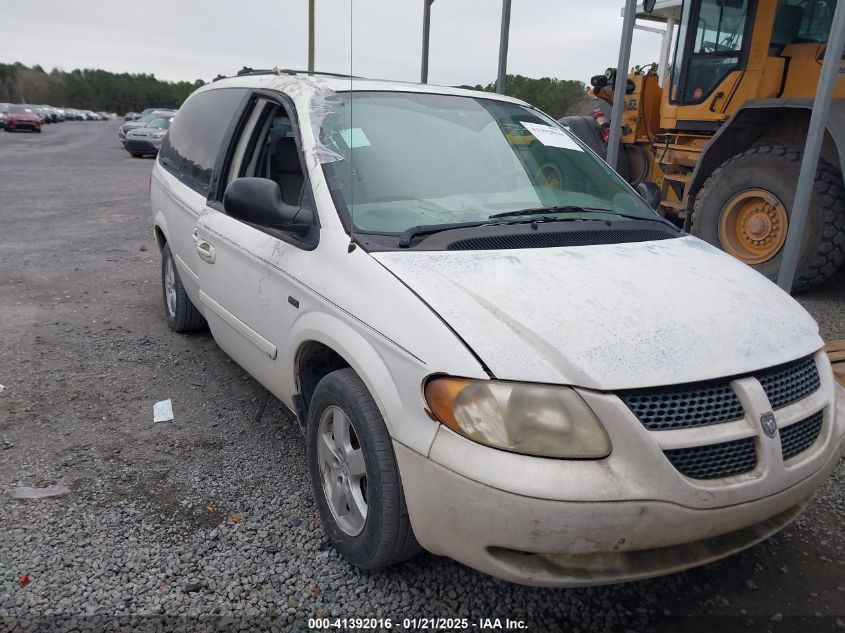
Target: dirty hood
614 316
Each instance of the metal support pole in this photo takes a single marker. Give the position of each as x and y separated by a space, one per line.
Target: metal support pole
621 81
503 46
426 33
810 161
310 36
665 49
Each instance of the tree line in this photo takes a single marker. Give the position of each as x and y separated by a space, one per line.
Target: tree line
556 97
90 89
101 90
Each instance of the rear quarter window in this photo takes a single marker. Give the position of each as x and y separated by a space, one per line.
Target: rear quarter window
192 145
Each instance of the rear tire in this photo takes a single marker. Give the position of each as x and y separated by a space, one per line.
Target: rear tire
346 436
773 170
181 314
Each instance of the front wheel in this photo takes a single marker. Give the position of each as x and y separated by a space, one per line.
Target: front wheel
745 206
354 474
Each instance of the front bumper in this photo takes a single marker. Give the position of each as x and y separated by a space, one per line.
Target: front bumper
564 523
141 146
23 125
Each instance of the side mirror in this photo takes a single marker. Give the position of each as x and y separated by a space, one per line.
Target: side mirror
648 5
259 201
649 192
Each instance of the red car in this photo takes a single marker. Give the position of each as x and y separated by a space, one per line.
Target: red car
20 117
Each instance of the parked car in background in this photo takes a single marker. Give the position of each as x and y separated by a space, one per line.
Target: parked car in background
22 117
146 141
4 107
131 116
39 112
147 116
469 330
104 116
49 113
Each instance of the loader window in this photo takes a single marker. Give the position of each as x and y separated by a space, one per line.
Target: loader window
715 31
802 21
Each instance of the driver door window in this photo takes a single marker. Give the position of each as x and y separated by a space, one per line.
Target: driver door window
267 149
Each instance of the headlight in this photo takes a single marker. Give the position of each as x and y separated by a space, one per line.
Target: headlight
159 134
524 418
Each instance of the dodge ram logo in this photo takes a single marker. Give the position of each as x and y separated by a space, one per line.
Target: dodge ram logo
770 427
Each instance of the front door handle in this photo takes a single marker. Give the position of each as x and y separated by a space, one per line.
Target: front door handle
206 251
716 97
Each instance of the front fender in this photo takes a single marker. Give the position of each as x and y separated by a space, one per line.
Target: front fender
397 392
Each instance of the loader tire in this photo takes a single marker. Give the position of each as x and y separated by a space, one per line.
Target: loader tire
745 205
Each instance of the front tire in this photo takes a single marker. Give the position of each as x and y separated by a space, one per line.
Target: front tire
181 314
354 474
745 206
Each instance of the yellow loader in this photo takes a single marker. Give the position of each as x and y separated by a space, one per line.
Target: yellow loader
722 132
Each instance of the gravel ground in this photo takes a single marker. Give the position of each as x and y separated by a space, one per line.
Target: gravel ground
208 522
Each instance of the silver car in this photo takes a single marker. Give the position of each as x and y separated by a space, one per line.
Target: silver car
143 121
145 141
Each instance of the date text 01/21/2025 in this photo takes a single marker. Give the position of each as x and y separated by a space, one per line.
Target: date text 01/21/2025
418 624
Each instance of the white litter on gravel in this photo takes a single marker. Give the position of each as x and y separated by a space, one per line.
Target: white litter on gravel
163 411
25 492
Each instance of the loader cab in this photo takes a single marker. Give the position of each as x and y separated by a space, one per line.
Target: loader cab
716 34
729 52
711 53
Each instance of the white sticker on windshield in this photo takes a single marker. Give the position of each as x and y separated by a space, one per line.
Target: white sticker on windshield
551 136
354 137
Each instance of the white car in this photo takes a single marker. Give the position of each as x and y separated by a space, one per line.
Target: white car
496 350
146 140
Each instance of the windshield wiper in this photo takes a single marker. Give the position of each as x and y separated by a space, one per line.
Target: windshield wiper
572 208
425 229
569 208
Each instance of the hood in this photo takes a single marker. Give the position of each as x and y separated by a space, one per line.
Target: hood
610 317
23 115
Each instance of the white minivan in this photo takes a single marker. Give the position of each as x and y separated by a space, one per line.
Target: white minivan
496 349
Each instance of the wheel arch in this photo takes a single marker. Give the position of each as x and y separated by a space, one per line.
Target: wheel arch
161 240
769 122
160 230
321 343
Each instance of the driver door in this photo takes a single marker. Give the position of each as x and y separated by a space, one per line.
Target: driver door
248 295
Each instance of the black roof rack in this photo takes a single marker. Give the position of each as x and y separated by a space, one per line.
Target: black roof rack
286 71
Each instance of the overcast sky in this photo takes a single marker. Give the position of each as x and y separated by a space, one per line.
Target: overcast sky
181 40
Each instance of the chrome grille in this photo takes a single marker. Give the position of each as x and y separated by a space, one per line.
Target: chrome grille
789 383
715 461
798 437
684 406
